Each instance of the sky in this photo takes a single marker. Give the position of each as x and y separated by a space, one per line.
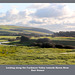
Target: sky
52 16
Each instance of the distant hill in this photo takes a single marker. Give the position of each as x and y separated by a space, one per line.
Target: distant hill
7 29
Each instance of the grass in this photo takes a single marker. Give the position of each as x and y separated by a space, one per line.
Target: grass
60 40
8 37
57 38
64 42
5 38
31 31
7 29
23 55
30 55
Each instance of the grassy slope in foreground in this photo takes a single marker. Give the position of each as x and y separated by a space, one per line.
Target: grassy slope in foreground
24 55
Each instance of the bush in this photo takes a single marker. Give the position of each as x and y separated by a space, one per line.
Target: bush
48 45
43 40
34 44
44 45
59 46
69 47
11 39
25 38
18 38
39 44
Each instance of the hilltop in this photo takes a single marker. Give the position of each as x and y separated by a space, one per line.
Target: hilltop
8 29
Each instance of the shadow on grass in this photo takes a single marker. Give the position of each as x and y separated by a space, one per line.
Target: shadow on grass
64 42
26 43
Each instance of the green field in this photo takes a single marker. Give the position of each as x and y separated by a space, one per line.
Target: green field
61 40
7 29
6 37
30 55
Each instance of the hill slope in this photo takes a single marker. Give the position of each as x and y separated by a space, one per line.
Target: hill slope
6 29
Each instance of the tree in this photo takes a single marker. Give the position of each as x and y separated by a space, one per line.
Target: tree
18 38
25 38
44 40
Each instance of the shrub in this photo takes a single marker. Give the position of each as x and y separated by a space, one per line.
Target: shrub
48 45
34 44
69 47
43 40
25 38
44 45
18 38
11 39
39 44
59 46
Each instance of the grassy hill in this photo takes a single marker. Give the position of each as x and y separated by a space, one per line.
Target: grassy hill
6 29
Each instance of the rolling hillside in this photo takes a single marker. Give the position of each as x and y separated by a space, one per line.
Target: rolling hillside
6 29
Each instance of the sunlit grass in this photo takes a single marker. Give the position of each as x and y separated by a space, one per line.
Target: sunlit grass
34 55
30 55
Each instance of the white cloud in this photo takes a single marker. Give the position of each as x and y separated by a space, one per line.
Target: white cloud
14 6
39 5
1 6
54 10
51 16
12 11
14 17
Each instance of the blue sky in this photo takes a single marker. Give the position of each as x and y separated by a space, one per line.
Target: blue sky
8 6
71 5
22 6
52 16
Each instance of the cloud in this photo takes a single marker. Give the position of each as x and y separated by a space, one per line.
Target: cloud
14 6
52 16
2 14
54 10
1 6
14 16
12 11
35 22
38 5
